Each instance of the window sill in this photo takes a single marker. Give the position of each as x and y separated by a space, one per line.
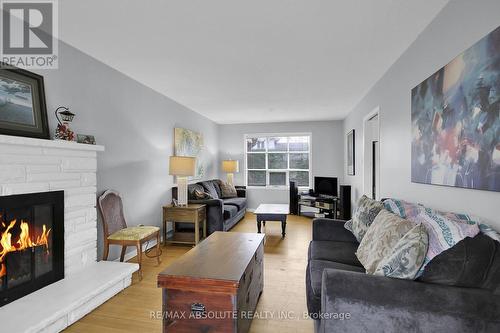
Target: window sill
278 188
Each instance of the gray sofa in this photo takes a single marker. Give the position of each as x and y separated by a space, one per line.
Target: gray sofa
222 214
458 292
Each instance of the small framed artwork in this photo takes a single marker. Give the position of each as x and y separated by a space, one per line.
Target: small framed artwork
22 103
351 150
84 138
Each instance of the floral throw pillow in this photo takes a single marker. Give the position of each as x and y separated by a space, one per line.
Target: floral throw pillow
407 256
378 242
364 216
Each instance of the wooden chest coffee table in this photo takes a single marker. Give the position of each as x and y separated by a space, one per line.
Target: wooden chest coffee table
215 286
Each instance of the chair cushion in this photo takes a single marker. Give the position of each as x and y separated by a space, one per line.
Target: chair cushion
341 252
134 233
241 203
364 216
380 238
316 268
230 211
210 189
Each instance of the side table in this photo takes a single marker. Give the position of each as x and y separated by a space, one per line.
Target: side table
192 213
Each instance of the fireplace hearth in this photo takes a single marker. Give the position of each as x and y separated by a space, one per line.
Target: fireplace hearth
31 243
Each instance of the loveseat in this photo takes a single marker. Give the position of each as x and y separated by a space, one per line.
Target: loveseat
341 297
222 213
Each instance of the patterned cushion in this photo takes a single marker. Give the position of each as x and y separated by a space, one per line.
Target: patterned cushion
407 256
210 189
364 215
381 237
192 188
133 233
348 225
200 195
489 231
443 229
227 190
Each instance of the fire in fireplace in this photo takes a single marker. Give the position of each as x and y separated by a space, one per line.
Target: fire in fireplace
31 243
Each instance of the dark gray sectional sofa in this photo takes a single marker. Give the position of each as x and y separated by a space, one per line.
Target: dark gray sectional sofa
458 292
222 214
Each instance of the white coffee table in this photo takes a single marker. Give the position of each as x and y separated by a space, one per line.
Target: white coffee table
272 212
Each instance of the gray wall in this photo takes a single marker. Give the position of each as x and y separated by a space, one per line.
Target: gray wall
133 122
457 27
327 152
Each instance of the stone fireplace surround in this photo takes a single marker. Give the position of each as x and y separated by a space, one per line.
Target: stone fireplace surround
30 165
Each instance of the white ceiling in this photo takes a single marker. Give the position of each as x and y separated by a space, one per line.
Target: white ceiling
250 61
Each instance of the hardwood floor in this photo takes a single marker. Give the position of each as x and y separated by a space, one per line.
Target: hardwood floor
284 286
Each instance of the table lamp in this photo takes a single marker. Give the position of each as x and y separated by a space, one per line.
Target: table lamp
230 167
182 167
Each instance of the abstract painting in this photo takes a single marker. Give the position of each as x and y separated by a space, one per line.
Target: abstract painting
456 122
190 143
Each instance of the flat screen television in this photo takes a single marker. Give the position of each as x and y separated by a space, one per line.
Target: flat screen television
326 186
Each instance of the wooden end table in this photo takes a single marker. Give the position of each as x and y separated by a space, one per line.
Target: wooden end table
192 213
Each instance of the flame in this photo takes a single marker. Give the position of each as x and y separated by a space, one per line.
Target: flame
23 242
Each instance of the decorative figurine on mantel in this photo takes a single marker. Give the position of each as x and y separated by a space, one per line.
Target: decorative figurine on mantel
63 132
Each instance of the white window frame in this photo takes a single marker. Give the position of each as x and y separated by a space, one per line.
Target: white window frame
266 152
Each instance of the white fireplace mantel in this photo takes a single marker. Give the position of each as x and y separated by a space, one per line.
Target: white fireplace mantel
29 165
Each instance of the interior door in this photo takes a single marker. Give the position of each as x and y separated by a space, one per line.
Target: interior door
375 169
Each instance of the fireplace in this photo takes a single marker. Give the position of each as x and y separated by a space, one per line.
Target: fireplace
31 243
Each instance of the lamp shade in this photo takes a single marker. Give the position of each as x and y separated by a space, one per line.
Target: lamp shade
182 166
230 166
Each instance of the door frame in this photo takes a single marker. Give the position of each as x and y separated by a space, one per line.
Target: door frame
367 155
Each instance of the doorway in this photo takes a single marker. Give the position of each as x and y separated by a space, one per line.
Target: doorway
371 155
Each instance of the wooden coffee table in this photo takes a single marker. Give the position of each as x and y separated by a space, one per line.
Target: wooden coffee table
272 212
222 275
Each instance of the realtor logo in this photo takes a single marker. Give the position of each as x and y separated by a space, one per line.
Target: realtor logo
29 33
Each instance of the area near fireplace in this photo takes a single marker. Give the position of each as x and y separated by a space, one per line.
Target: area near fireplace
48 236
31 243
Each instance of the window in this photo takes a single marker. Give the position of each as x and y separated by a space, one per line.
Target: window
273 160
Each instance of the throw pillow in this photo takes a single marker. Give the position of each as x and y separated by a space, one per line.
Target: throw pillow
228 190
364 215
210 189
443 229
466 264
387 229
407 256
348 225
489 231
200 195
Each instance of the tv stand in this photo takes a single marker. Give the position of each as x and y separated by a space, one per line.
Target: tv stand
326 204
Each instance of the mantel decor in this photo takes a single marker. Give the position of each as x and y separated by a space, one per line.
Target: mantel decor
456 123
22 103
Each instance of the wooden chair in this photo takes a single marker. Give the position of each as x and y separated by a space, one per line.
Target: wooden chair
115 229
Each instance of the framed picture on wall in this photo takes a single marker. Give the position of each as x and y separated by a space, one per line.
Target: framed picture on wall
351 148
22 103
